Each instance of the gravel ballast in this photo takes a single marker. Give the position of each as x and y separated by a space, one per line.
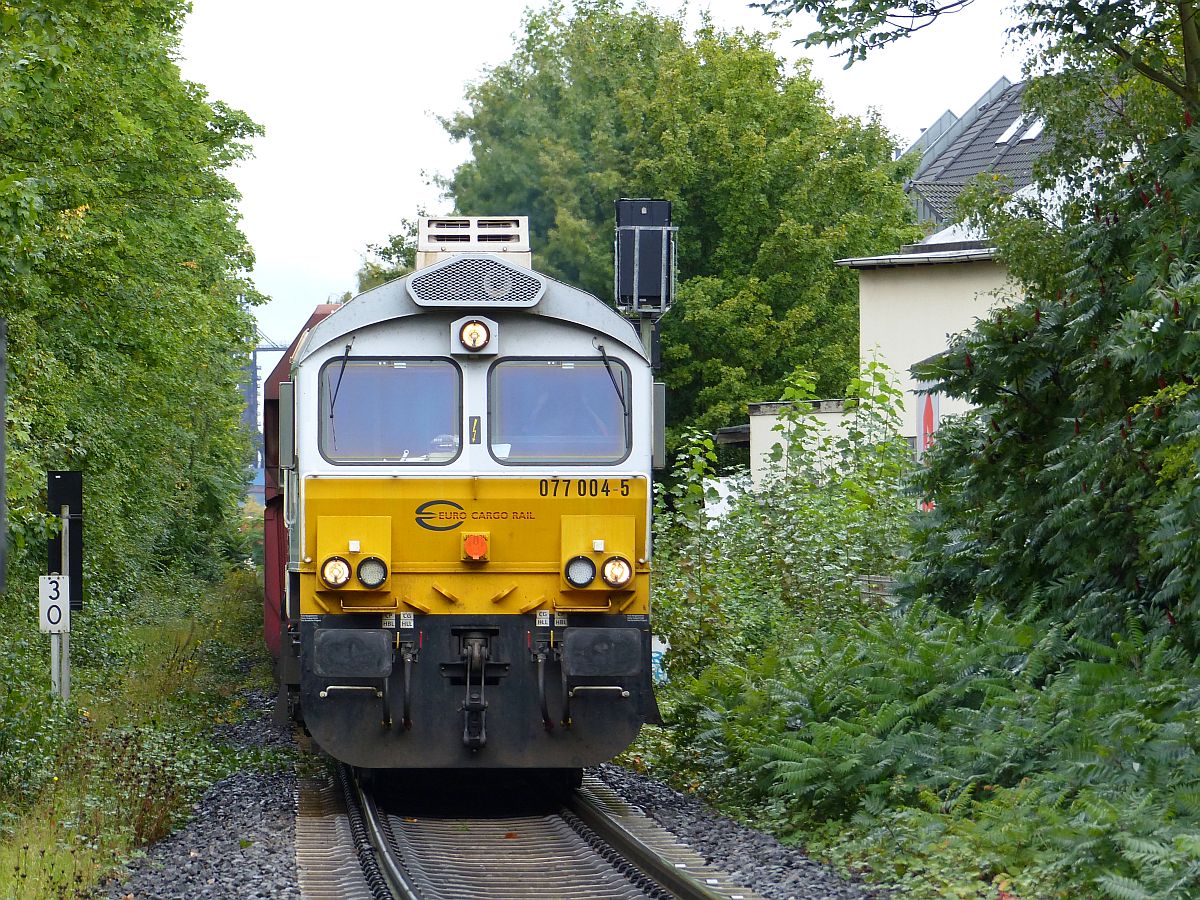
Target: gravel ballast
751 858
241 840
241 843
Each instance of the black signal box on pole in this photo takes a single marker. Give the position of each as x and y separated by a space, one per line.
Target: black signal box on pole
645 273
66 489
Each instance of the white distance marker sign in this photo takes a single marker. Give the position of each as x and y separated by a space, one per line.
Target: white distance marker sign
54 605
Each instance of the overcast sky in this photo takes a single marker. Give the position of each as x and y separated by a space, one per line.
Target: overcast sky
349 94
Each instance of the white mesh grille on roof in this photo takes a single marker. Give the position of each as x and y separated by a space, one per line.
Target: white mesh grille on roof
471 281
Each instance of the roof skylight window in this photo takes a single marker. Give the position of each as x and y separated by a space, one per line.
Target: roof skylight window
1035 130
1011 130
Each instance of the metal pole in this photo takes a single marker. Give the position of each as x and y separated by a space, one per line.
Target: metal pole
65 658
66 665
55 668
646 328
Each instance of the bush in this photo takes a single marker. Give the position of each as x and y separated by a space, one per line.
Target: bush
795 555
31 727
138 745
949 753
953 753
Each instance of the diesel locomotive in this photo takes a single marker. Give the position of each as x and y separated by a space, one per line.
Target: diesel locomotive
458 516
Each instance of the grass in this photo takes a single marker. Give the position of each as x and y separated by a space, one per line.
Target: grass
45 862
140 749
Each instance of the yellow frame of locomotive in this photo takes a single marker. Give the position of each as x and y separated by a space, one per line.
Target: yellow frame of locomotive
534 526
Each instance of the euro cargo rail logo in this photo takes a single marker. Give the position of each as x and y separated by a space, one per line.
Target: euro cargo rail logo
440 515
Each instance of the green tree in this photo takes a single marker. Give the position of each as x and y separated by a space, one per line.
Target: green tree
1158 40
1072 488
390 260
122 276
769 188
1036 735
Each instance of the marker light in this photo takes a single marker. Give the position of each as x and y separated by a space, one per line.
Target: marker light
616 571
474 335
335 572
580 572
475 546
372 572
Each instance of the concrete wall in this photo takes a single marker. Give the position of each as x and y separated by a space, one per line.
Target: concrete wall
763 436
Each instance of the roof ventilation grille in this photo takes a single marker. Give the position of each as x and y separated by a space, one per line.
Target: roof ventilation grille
440 236
476 280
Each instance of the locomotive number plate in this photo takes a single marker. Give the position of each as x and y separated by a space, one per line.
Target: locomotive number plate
583 487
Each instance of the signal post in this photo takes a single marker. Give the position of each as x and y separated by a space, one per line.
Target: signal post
644 286
61 589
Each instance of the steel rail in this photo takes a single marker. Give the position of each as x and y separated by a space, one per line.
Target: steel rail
680 883
614 842
381 842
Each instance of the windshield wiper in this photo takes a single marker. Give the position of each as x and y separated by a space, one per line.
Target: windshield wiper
608 368
342 371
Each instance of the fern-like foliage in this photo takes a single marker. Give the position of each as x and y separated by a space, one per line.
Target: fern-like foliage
1028 714
1066 773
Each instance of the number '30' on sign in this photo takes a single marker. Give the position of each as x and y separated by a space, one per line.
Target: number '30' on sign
54 606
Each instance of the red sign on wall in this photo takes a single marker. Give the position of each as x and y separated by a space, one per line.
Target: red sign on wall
929 416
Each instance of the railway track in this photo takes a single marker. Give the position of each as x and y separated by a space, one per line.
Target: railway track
352 844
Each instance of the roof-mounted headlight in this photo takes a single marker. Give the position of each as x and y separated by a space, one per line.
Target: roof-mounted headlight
474 335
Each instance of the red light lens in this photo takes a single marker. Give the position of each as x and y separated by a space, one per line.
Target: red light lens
475 546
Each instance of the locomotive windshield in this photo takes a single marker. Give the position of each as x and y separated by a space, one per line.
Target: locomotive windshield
390 410
559 410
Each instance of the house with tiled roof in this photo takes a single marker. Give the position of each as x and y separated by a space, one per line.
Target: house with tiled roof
994 136
912 300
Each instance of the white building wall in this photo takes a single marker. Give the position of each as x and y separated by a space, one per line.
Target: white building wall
764 417
763 438
906 314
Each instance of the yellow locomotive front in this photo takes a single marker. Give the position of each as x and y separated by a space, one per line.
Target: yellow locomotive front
468 512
